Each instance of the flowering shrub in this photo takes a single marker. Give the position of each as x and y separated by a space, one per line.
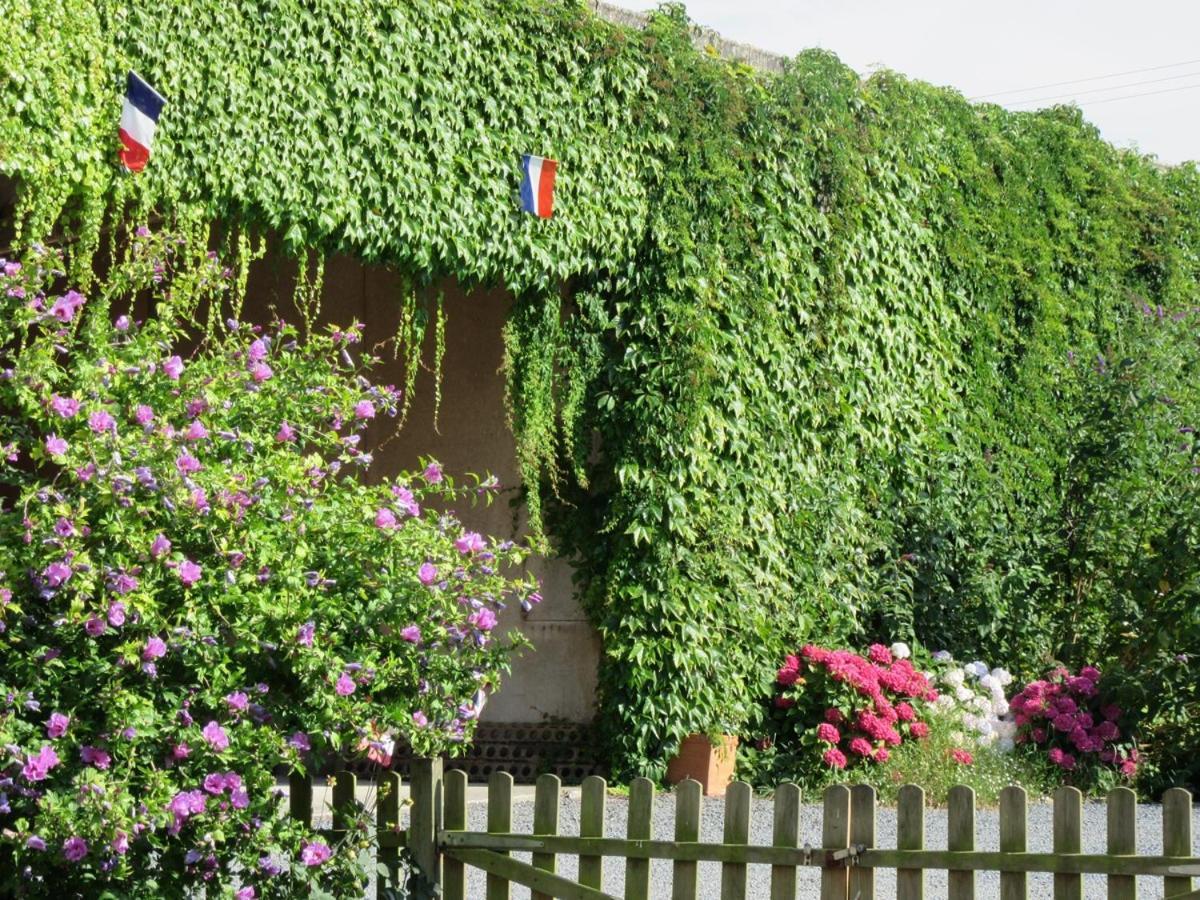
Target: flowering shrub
1065 717
836 709
974 696
197 587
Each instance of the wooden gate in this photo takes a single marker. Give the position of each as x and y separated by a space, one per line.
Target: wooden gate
848 856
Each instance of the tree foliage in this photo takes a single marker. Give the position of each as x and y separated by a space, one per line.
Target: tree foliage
809 319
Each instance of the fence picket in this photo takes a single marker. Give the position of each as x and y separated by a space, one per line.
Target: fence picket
344 786
387 822
1068 838
960 826
862 831
591 824
737 831
1014 824
545 821
300 798
1177 836
688 800
641 821
835 835
910 835
499 821
785 833
1122 840
454 876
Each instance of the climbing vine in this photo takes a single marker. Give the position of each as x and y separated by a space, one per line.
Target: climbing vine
782 331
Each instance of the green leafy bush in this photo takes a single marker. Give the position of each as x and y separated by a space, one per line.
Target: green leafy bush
198 587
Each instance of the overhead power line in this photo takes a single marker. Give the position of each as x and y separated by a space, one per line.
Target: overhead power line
1188 87
1039 87
1112 87
1090 103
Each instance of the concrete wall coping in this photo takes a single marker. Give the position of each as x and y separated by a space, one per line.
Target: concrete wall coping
702 37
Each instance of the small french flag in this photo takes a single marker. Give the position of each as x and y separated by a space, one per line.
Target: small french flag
138 120
537 187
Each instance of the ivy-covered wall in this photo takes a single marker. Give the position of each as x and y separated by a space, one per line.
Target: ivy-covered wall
773 316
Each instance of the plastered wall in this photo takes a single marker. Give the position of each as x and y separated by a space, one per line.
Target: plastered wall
557 679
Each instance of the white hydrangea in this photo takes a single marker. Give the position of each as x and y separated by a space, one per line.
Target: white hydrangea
977 668
900 650
963 693
988 683
1003 676
954 678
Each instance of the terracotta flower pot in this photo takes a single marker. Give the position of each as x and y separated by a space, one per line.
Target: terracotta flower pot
711 765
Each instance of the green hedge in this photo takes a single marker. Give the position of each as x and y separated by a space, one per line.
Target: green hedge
804 315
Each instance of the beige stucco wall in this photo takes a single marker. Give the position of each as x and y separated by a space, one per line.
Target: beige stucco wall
556 679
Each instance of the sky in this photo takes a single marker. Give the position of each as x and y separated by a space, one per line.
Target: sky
1007 51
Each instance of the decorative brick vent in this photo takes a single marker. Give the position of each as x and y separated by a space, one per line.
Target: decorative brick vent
525 751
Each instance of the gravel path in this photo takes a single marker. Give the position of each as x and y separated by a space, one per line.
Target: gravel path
987 838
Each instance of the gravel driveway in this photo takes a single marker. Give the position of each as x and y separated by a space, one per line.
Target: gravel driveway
987 838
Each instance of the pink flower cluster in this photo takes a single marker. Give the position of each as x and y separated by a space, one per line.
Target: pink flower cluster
1064 715
866 704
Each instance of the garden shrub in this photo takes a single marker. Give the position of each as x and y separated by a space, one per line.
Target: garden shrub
200 588
974 696
834 709
1069 719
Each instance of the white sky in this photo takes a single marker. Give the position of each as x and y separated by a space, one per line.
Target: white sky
988 47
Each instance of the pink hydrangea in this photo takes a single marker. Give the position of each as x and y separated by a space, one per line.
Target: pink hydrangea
835 758
345 685
428 573
860 746
828 733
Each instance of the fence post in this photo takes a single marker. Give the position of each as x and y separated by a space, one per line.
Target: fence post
688 800
1068 838
737 831
786 834
910 835
1177 836
960 826
835 835
862 831
545 821
425 817
1014 822
591 824
641 823
454 880
1122 840
387 822
499 821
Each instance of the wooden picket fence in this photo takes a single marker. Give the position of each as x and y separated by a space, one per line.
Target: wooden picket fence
443 849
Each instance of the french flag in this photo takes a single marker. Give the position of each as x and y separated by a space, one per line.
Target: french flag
537 187
138 120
